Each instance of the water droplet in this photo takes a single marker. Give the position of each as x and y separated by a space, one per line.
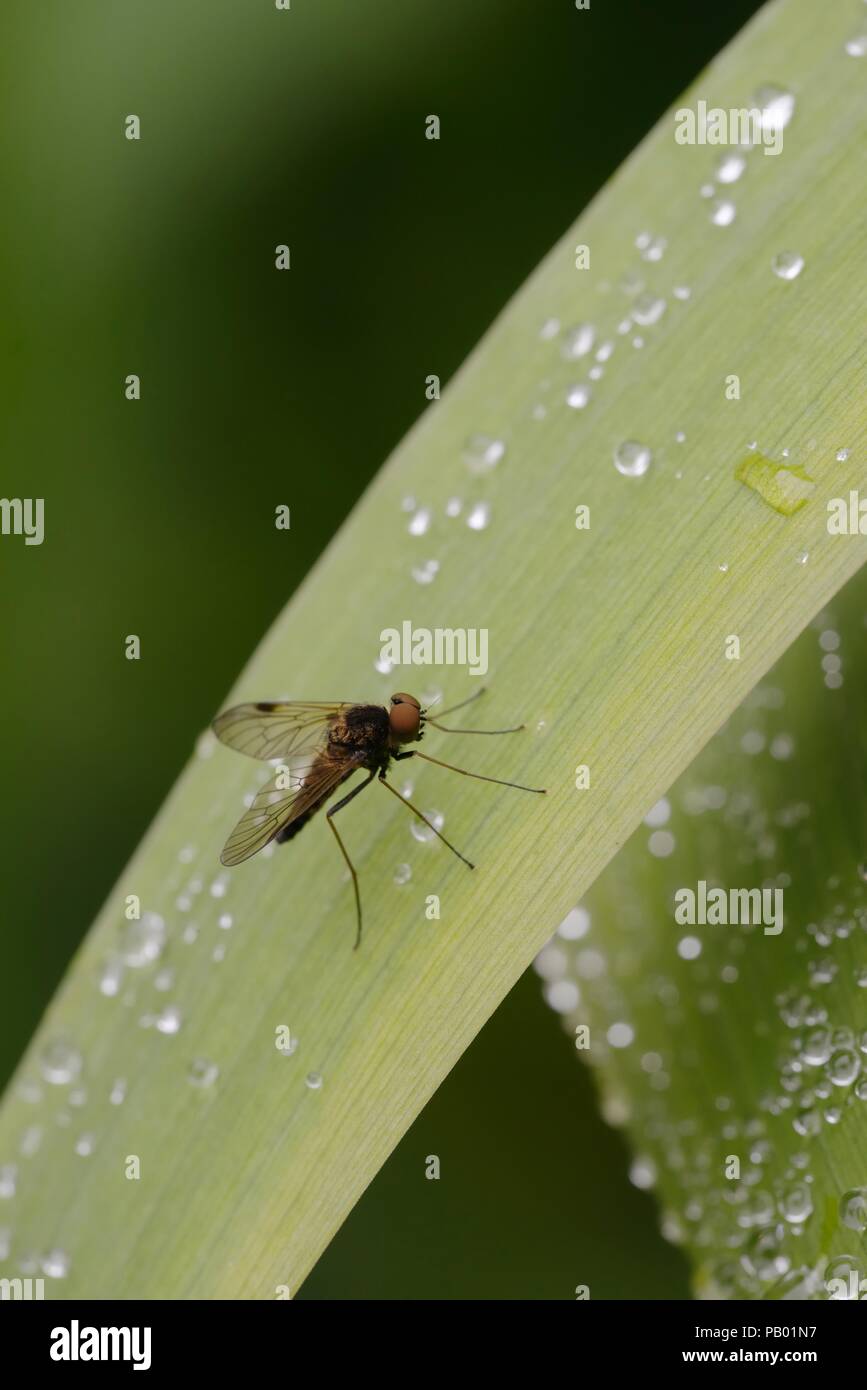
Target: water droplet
578 396
563 996
604 351
551 962
648 309
808 1123
111 977
205 744
202 1073
85 1145
575 924
118 1091
844 1066
422 832
425 573
802 557
838 1276
407 504
776 105
142 942
60 1063
454 506
590 964
313 1081
853 1209
56 1264
723 567
817 1047
797 1203
680 437
723 212
689 948
842 455
384 665
659 814
632 459
782 747
579 341
419 523
8 1179
661 844
30 1140
402 874
620 1035
730 166
550 328
681 292
169 1021
856 47
787 265
482 454
753 742
643 1172
480 516
653 249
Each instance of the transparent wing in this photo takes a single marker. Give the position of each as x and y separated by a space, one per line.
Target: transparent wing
277 729
281 801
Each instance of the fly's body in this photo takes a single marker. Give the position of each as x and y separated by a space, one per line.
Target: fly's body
359 737
326 743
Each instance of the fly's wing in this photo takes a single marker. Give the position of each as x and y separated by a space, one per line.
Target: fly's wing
277 729
281 801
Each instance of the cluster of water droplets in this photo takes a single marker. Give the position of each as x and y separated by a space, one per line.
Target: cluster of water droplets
641 988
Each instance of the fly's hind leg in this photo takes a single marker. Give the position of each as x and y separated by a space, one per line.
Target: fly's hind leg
333 812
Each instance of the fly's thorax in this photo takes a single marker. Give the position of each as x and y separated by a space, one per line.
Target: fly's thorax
360 729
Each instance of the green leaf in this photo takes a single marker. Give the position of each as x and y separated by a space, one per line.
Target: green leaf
609 642
733 1043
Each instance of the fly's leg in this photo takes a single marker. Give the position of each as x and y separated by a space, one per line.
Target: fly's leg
434 722
469 700
333 812
414 753
421 815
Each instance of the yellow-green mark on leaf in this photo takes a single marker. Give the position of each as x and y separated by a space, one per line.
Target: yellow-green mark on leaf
784 486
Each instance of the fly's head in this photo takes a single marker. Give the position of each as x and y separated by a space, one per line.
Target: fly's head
405 719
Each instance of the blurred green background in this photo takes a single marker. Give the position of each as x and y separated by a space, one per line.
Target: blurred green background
156 258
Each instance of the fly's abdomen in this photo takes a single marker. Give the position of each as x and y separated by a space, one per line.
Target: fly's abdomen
299 821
